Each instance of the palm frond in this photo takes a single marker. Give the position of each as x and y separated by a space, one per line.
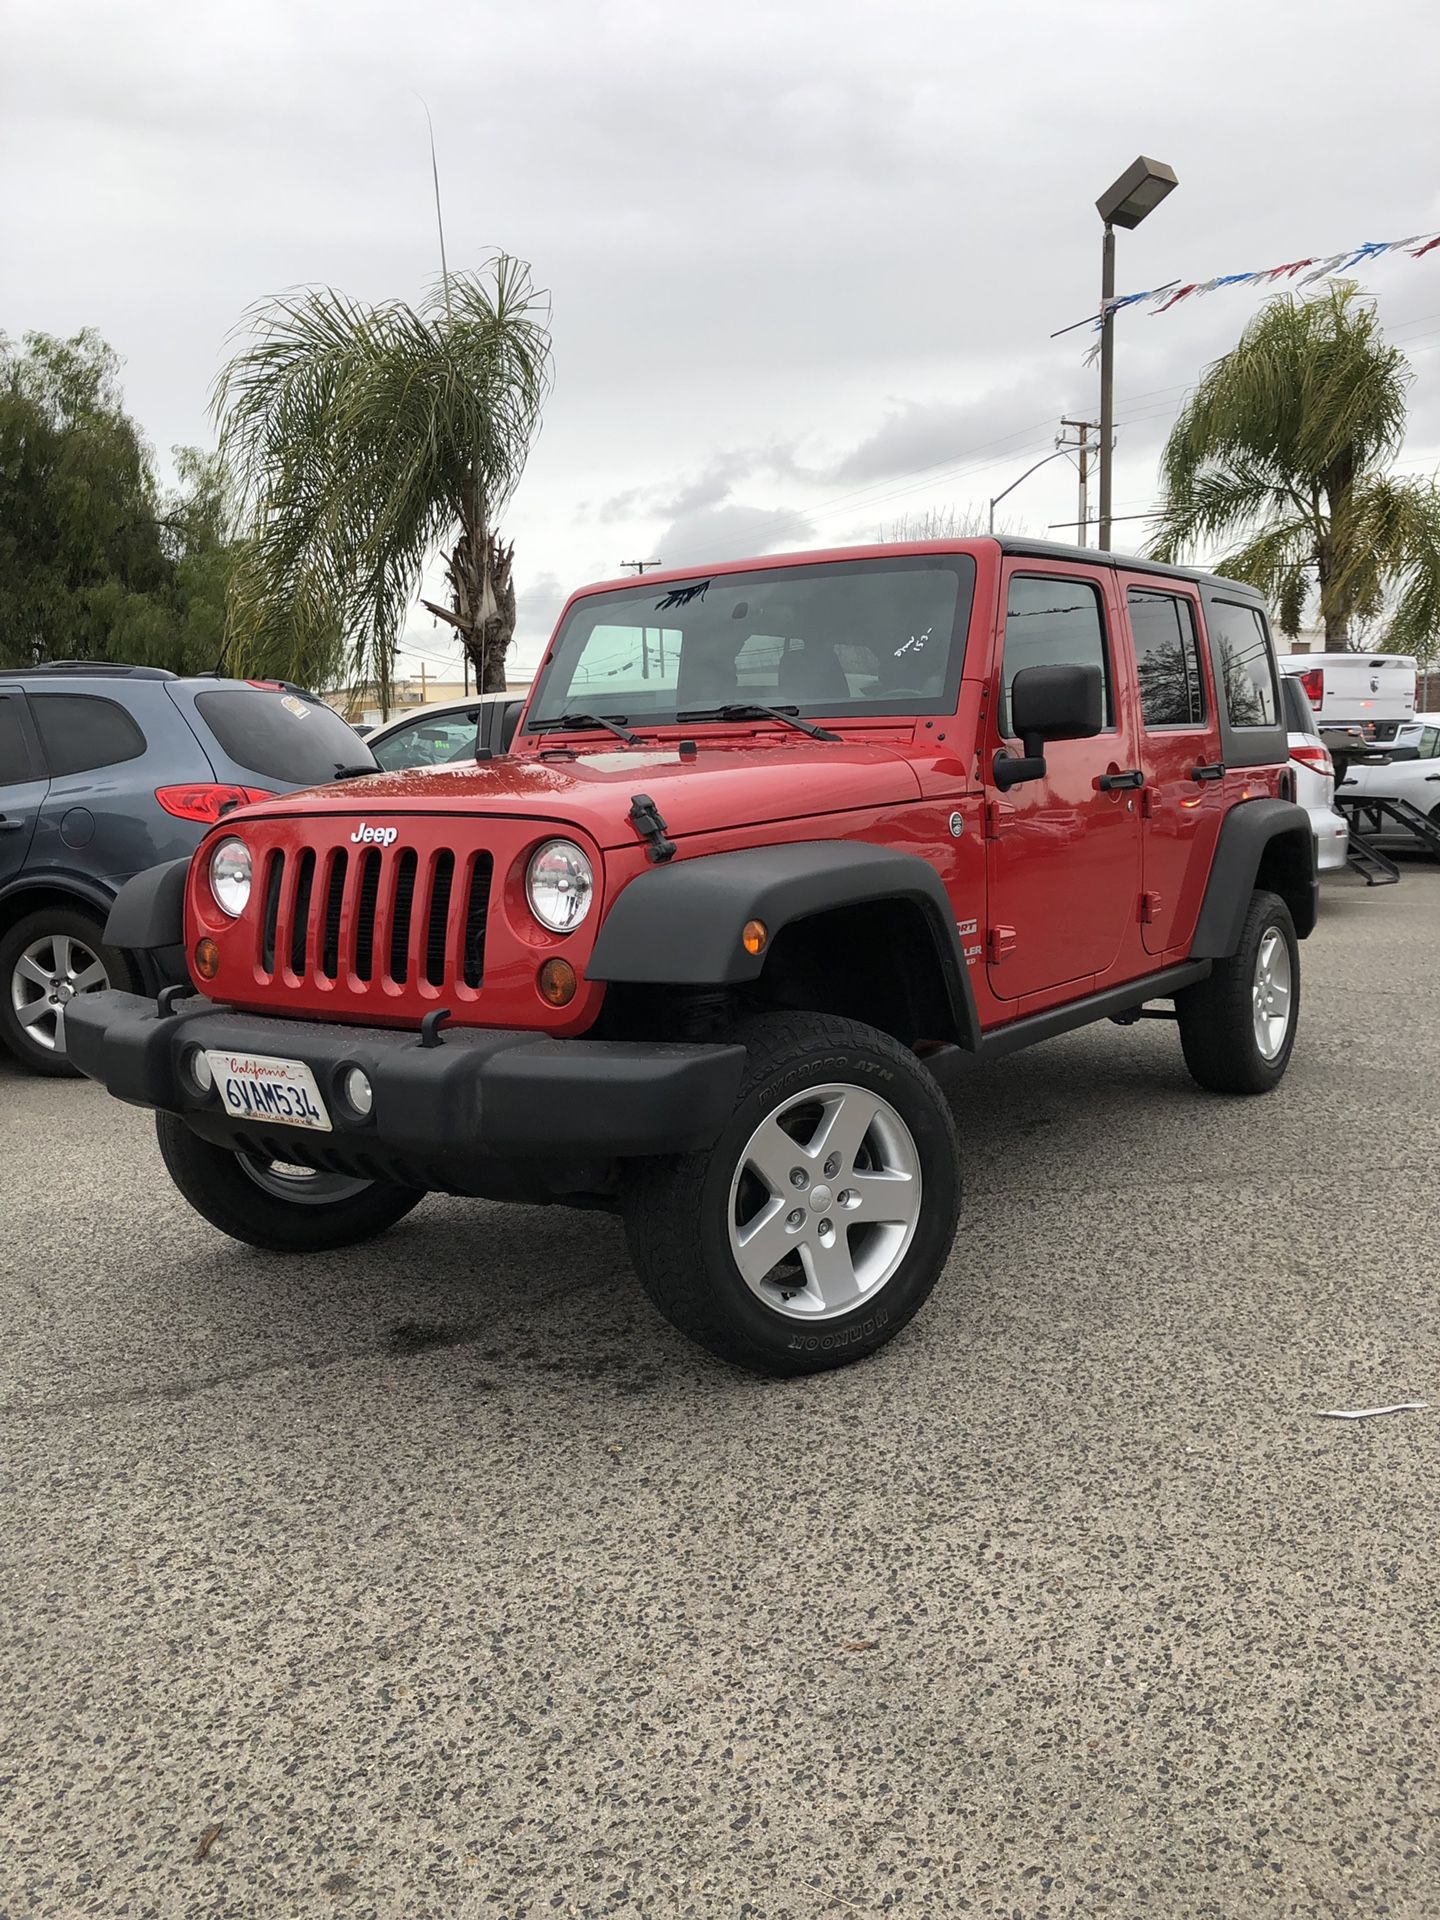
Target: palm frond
368 436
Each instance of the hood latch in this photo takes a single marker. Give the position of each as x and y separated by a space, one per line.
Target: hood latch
646 819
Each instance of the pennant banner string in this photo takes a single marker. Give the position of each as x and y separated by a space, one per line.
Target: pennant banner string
1310 269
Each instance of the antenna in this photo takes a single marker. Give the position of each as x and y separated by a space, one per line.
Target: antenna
439 216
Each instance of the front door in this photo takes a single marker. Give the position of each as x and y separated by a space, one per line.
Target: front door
1062 852
22 786
1179 751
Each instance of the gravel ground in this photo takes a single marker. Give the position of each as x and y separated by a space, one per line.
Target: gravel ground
441 1579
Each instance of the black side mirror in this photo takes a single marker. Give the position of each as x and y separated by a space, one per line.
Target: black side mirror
1049 703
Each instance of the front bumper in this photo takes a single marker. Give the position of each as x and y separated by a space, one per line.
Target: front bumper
508 1113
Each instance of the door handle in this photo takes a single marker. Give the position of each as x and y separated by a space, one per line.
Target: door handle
1215 772
10 826
1113 782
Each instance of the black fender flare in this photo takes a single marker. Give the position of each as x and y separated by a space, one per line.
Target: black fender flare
1248 833
679 924
149 910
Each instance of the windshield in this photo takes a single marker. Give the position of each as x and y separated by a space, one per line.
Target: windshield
848 639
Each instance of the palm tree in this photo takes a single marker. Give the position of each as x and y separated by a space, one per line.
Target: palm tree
1285 448
367 438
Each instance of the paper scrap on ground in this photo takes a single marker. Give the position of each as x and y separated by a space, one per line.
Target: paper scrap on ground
1370 1413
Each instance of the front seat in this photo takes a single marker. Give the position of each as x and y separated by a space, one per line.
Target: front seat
811 675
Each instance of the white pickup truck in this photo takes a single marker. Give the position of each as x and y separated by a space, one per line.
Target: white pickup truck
1372 691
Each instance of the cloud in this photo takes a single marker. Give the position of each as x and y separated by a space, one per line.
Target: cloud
731 532
918 434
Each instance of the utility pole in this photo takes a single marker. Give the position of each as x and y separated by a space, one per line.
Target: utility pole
1081 446
422 683
642 567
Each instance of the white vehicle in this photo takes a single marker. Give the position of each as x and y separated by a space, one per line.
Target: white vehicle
1314 778
457 730
1372 691
1408 735
1417 781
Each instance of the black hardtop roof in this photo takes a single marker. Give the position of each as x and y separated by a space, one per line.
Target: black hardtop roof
1131 562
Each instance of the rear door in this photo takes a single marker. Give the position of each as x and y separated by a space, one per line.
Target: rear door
1062 852
22 783
1179 753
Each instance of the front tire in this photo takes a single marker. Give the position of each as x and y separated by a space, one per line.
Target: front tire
270 1205
1238 1027
818 1224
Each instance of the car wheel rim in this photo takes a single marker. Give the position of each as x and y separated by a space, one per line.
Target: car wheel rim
1272 994
824 1201
302 1186
46 977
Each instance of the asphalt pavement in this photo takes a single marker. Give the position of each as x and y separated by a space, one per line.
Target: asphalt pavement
440 1578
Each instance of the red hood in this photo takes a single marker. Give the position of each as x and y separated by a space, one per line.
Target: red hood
745 784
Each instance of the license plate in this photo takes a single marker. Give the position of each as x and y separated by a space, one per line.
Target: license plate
254 1086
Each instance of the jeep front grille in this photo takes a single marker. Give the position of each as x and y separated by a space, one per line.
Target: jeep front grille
391 917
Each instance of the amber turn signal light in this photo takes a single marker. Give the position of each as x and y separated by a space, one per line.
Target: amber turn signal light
207 959
754 936
557 983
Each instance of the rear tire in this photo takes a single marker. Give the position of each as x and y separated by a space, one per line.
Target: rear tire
47 958
244 1196
818 1224
1238 1027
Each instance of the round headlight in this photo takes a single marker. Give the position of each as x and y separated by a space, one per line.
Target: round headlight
230 876
559 885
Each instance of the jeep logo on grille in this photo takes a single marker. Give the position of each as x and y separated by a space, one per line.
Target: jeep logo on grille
364 836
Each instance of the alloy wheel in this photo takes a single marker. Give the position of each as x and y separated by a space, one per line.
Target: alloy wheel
824 1201
46 977
1271 994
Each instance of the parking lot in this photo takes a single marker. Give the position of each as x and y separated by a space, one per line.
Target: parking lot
441 1578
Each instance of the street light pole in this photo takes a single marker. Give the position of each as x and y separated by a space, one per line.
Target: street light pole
1124 203
1058 454
1107 379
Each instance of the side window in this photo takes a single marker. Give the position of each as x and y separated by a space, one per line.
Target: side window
82 731
14 751
1052 623
1429 744
1247 676
1167 658
429 743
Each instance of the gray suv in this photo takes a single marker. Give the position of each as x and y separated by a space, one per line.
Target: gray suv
107 770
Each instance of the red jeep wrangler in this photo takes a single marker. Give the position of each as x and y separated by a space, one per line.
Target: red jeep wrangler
780 849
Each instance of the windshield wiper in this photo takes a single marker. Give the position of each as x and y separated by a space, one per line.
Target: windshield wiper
342 772
612 723
751 710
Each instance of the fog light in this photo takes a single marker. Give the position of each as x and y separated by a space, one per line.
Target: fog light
207 959
358 1091
558 983
198 1068
754 935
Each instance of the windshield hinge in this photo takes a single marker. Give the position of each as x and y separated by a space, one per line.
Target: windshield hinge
646 819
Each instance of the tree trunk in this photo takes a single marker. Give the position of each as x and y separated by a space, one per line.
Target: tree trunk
484 623
1333 555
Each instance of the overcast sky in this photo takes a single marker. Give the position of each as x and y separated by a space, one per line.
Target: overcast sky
805 255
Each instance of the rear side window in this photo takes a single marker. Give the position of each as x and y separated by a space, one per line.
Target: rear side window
1167 659
1298 713
81 732
14 753
280 736
1246 674
1052 623
1429 745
